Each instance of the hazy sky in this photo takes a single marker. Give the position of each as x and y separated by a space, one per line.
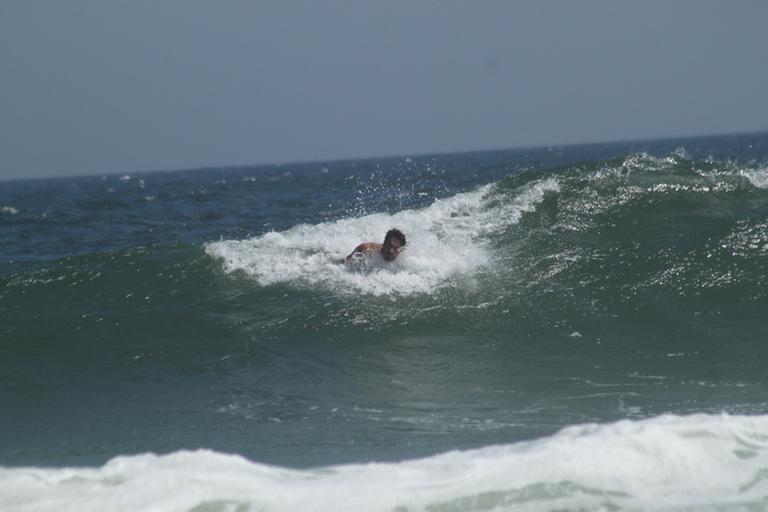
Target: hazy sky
118 86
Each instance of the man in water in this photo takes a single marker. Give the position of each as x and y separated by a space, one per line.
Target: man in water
394 242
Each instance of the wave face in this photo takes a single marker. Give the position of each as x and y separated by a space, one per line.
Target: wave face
666 463
671 214
557 305
584 243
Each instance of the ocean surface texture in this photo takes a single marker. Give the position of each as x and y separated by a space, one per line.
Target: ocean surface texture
569 328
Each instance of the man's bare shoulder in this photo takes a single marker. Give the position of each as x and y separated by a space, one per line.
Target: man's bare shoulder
368 246
362 249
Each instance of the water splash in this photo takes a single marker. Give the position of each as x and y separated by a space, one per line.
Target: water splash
447 241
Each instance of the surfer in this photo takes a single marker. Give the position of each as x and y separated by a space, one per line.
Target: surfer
394 242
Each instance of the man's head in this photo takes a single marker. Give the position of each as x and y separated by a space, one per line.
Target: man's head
394 241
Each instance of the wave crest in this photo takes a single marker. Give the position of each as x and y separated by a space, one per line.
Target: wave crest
447 241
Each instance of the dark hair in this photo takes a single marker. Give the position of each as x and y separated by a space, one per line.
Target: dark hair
395 233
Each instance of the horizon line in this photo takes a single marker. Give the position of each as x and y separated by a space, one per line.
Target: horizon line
425 154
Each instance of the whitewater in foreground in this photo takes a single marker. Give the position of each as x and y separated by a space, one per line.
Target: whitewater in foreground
698 462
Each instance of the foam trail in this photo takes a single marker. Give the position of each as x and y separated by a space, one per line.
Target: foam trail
700 462
10 210
446 240
757 177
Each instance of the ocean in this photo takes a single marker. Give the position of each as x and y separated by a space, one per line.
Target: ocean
568 328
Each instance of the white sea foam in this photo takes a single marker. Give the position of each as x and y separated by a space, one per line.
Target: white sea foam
700 462
8 210
758 177
447 240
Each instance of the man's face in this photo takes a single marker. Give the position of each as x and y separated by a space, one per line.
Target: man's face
391 249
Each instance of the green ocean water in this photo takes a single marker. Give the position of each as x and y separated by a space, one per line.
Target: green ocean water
540 289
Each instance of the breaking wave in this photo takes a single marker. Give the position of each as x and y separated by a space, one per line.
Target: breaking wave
699 462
